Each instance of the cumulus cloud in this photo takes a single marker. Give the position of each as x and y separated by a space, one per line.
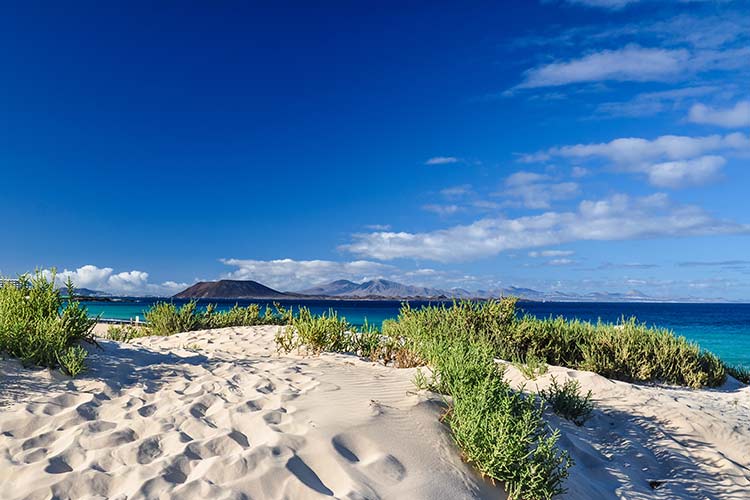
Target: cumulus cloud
734 117
290 274
619 217
667 161
537 191
441 160
105 279
676 174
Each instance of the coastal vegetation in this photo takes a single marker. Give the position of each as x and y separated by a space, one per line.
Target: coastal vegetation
500 429
41 328
165 318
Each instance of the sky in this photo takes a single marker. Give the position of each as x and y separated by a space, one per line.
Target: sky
561 145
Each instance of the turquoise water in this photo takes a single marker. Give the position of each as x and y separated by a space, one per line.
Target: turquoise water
721 328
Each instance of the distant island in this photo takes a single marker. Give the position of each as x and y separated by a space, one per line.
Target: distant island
231 289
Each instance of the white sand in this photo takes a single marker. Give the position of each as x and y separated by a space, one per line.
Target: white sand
692 443
219 415
229 419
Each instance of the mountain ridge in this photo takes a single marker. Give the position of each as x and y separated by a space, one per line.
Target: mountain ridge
382 289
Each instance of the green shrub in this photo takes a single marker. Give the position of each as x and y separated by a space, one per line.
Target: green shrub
635 353
326 332
165 318
39 327
628 351
501 431
566 400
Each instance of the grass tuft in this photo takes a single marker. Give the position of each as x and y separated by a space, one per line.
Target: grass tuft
532 367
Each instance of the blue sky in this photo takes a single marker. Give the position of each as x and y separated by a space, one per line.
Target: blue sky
580 145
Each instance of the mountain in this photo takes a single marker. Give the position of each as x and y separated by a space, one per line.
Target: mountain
373 288
333 289
84 292
231 289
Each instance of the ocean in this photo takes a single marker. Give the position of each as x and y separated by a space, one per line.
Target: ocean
721 328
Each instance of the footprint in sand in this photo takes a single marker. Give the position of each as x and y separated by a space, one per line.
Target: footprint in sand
356 450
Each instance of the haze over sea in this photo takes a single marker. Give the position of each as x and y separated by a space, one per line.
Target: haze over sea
721 328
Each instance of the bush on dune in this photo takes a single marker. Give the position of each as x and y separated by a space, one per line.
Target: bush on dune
39 327
165 318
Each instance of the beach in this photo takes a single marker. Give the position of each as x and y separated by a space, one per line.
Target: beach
219 414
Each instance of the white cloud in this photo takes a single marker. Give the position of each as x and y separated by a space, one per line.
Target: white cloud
128 281
607 4
668 161
651 103
634 63
676 174
619 217
378 227
124 283
441 160
289 274
559 262
734 117
551 253
442 209
456 191
578 172
636 150
631 63
537 191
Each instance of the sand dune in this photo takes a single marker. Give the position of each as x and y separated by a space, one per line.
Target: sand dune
219 415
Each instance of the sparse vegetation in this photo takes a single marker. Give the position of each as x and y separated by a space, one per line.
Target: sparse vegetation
532 367
165 318
566 400
739 372
40 328
124 333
